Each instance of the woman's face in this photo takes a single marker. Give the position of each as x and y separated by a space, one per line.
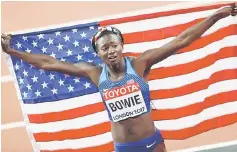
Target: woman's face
109 48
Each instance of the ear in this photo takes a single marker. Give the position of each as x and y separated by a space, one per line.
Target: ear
122 45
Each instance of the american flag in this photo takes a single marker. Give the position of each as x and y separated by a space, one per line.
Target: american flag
192 92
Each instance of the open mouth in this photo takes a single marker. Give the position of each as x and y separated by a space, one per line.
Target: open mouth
112 58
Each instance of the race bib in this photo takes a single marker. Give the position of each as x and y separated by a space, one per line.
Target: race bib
124 102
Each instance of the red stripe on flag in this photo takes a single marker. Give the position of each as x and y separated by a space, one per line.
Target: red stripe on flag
177 134
157 34
202 127
217 99
190 67
159 14
201 42
157 115
158 94
67 114
73 133
194 87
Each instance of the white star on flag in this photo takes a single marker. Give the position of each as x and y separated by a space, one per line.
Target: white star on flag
50 41
61 82
66 38
44 85
24 38
87 85
51 76
90 61
25 94
70 88
17 67
60 47
76 80
53 55
44 49
34 43
25 73
86 48
37 93
32 66
62 59
41 36
76 43
28 50
35 79
57 33
95 54
92 27
79 57
74 30
29 87
21 81
69 52
66 75
18 45
83 34
55 91
41 71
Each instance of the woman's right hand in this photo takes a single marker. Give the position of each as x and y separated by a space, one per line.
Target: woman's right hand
5 42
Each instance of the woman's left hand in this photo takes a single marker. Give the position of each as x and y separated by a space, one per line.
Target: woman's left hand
226 11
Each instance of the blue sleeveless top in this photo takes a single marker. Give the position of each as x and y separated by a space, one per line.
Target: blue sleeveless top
126 98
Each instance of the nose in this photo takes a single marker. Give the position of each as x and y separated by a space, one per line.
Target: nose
111 50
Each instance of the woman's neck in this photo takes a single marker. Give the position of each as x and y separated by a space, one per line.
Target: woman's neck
118 69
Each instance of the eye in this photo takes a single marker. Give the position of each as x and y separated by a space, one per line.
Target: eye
115 45
104 49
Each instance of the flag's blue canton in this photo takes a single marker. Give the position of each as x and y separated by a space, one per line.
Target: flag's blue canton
69 44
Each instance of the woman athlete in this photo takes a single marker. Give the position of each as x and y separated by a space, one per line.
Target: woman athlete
122 81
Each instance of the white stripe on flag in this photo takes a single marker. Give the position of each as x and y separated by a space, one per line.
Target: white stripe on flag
213 112
204 73
92 119
187 57
73 144
206 114
136 47
61 105
78 123
161 22
196 97
168 21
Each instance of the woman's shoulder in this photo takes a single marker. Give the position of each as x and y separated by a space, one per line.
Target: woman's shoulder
131 58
